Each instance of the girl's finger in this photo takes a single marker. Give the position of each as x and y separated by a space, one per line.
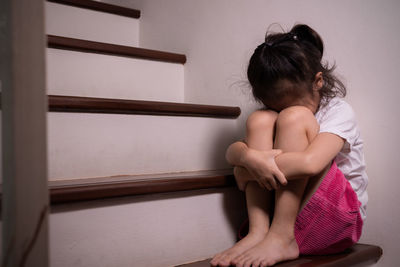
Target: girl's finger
280 177
268 186
265 184
273 183
278 186
260 184
253 174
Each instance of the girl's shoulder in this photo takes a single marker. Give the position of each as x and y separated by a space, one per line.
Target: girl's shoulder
336 107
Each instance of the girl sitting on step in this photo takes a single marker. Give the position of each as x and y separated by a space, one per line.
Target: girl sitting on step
301 165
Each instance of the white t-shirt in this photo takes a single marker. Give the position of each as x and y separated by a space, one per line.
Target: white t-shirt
338 117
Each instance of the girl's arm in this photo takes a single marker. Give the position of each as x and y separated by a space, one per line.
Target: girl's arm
261 166
293 165
322 150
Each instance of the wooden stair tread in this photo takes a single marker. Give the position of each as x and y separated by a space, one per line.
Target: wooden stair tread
75 190
357 254
99 6
122 106
68 43
64 191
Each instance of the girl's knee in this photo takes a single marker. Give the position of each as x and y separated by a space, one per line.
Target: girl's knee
296 115
261 119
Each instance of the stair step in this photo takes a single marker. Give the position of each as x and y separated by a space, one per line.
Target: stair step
110 75
76 190
84 74
65 191
99 6
121 106
82 145
61 42
139 230
90 24
354 256
119 144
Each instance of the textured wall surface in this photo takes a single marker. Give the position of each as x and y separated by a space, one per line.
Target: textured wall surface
362 37
218 37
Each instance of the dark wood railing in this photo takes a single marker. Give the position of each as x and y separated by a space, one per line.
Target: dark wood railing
121 106
108 187
99 6
74 44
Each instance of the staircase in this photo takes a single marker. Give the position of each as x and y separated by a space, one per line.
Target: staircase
118 133
137 177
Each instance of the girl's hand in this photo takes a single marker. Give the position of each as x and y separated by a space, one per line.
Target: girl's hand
262 166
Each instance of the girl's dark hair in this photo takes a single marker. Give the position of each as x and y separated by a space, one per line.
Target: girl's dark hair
285 65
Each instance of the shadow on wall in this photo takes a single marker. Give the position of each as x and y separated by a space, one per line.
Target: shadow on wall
223 137
235 211
234 205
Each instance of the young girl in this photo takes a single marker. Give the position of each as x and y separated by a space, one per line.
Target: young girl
301 165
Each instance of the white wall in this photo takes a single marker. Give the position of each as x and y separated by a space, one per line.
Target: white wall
362 36
81 23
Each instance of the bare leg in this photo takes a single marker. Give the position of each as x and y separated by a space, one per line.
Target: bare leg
260 133
296 127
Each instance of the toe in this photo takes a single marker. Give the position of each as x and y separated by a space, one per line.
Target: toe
236 260
225 260
271 263
247 263
256 263
239 261
223 263
216 260
244 261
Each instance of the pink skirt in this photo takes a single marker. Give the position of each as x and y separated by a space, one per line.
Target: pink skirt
331 220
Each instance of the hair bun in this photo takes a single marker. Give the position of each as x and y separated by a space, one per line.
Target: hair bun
305 33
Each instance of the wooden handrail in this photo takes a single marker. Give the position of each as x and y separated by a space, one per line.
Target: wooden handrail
108 187
99 6
121 106
67 43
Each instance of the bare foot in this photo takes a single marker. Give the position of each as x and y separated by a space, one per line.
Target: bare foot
273 249
225 258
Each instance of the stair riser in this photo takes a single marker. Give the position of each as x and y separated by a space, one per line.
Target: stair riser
162 230
95 75
91 25
97 145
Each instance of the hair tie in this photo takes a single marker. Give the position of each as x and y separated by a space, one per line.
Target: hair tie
293 36
268 44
